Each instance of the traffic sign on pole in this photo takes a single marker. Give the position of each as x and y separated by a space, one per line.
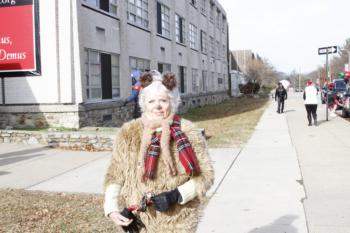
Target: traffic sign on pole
327 50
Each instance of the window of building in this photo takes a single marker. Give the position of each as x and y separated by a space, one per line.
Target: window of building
102 75
213 81
182 79
138 12
218 48
212 60
95 3
223 25
195 80
193 3
110 6
212 46
204 81
164 67
115 76
204 44
218 18
224 52
204 6
212 12
220 81
139 64
224 81
163 20
193 36
180 29
113 7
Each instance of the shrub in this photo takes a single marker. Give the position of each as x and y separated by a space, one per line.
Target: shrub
249 88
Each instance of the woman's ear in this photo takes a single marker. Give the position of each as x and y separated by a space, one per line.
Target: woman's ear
169 80
146 79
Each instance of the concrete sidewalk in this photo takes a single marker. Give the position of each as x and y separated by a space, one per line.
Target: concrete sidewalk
40 168
255 189
324 157
261 193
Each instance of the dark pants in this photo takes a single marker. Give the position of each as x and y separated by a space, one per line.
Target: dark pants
311 110
280 105
137 111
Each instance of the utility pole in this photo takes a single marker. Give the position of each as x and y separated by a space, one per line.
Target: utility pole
329 81
299 78
326 51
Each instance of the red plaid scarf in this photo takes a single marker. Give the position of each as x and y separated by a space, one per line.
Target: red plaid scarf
187 156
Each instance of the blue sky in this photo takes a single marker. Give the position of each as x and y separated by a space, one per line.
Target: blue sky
288 32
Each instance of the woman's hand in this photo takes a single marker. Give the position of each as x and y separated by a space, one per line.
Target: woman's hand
119 219
163 201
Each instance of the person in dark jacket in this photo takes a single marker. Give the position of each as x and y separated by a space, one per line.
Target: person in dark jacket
134 97
280 96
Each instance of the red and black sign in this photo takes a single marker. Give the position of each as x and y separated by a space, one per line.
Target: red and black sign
19 38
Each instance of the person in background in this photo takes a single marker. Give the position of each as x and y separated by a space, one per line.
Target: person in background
310 100
280 96
134 97
331 95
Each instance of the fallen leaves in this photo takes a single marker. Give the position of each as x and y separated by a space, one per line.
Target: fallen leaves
32 211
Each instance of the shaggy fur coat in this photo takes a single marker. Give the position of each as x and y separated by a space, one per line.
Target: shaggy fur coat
123 171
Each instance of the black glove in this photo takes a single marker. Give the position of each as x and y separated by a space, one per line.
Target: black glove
163 201
135 225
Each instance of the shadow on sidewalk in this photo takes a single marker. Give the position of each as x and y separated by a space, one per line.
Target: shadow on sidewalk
22 152
321 122
17 156
4 173
280 225
291 110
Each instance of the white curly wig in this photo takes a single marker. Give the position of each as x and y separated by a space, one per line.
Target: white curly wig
156 85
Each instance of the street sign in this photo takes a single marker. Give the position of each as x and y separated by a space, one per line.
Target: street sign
327 50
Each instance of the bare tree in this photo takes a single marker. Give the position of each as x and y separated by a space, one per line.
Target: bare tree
336 65
255 70
262 72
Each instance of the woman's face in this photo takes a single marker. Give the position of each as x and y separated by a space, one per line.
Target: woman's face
157 105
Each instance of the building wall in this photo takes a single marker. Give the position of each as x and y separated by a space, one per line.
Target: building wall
55 85
67 28
243 59
237 78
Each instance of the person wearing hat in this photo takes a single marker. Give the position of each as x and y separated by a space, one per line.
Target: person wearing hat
310 100
134 97
280 96
161 159
331 95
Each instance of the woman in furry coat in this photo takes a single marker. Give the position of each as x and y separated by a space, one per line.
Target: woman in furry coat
159 153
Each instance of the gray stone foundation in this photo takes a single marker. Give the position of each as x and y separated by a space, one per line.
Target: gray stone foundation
70 141
199 100
108 114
